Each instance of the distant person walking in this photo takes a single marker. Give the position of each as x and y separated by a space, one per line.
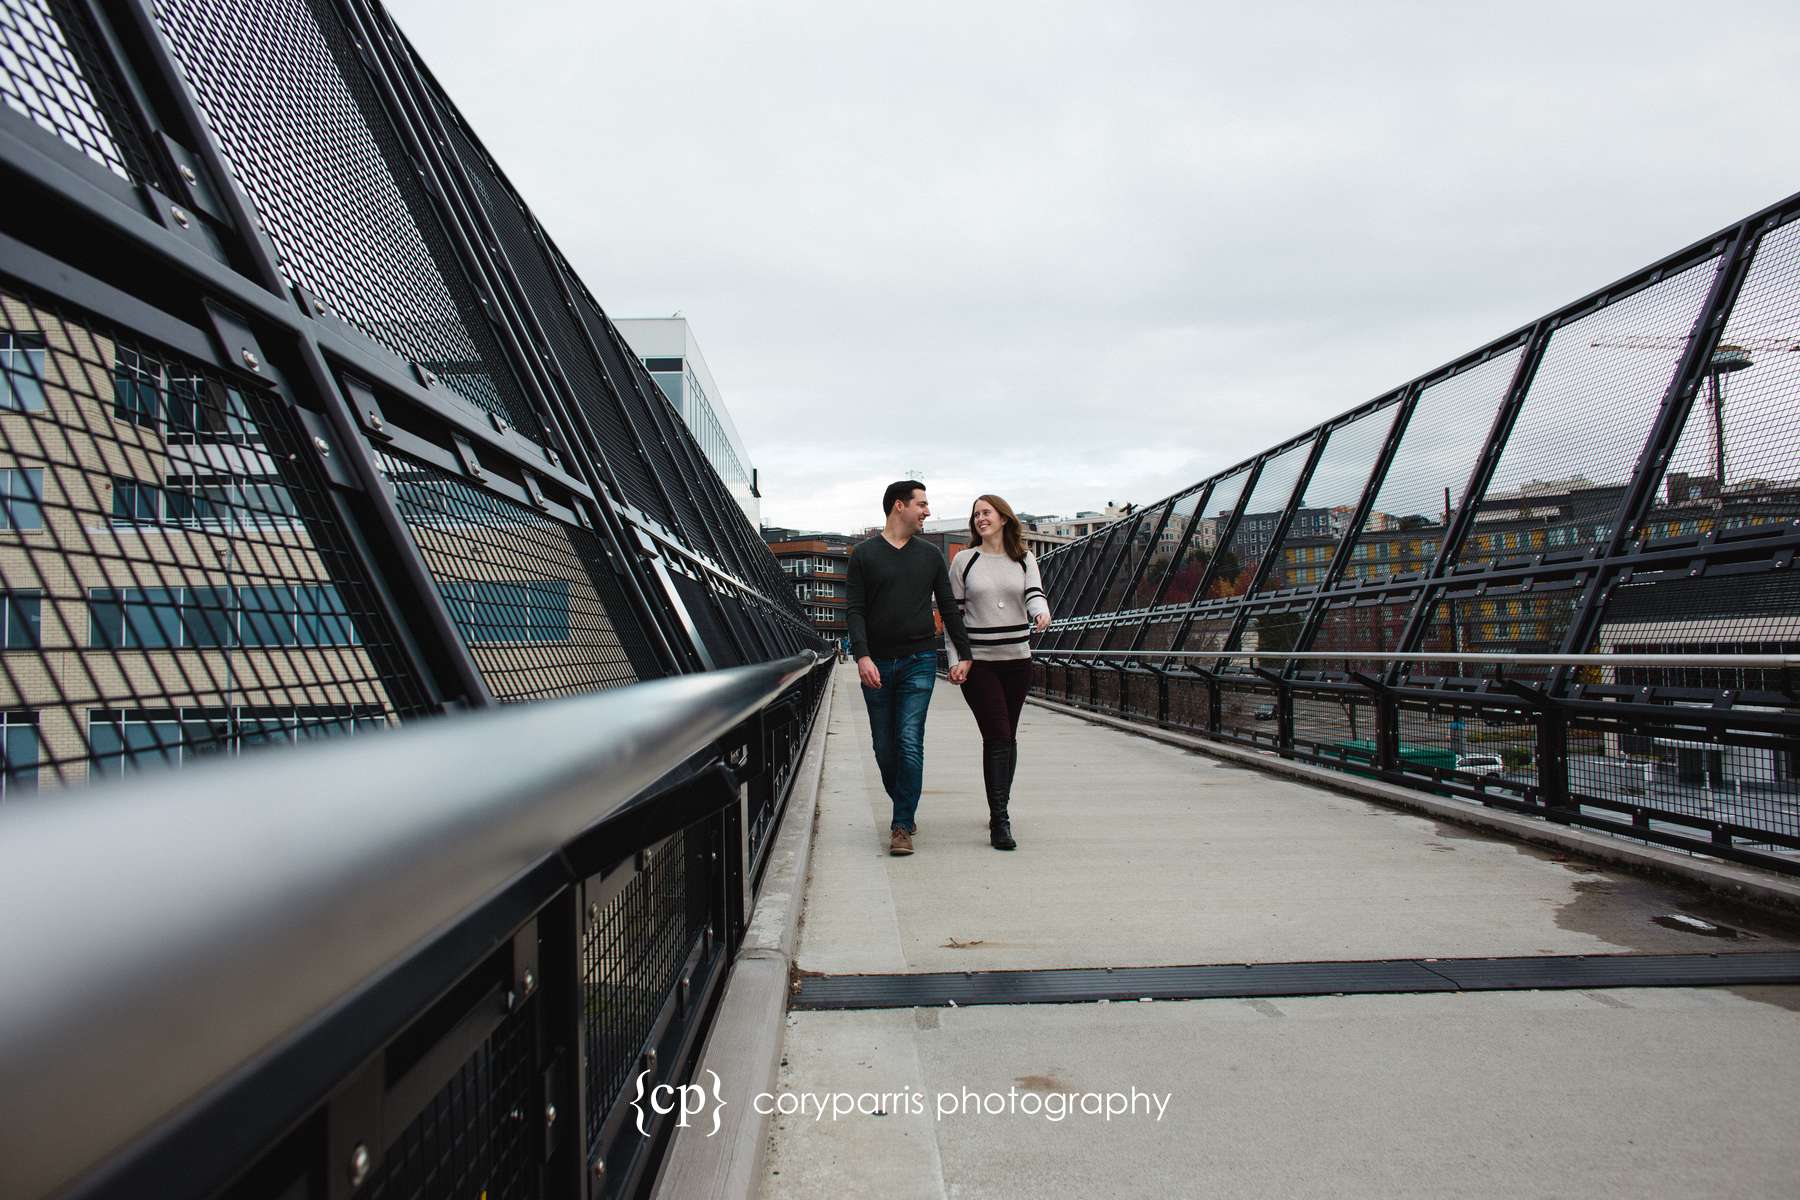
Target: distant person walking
1002 600
893 579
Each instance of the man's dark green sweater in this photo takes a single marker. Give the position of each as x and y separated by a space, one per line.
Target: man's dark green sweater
890 599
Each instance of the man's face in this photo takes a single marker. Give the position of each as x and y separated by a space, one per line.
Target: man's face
915 512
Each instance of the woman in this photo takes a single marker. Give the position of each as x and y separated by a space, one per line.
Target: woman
996 583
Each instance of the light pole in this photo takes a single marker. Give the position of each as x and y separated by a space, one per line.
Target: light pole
1726 359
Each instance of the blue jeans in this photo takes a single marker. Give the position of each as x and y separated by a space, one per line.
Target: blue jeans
897 725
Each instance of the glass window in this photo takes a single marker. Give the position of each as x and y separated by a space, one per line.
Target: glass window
22 371
670 383
549 613
21 498
270 615
256 731
20 751
265 501
324 620
488 611
128 739
153 618
22 618
187 405
106 618
134 618
209 617
204 733
135 503
137 386
123 741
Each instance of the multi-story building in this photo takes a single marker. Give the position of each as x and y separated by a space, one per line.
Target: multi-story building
176 582
819 564
150 548
673 358
1082 523
1040 543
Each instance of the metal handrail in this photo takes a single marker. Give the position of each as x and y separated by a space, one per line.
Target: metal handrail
1764 661
162 936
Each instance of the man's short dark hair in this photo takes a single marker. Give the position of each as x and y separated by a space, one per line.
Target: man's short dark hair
899 492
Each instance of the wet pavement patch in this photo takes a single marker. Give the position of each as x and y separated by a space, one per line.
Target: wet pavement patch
1686 924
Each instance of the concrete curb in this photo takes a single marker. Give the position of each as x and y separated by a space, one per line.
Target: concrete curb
744 1045
1744 885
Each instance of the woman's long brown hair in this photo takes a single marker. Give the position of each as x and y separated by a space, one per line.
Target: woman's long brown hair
1011 535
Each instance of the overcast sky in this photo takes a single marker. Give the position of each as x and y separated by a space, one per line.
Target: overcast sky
1075 253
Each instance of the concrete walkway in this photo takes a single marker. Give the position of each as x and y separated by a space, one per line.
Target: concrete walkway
1137 853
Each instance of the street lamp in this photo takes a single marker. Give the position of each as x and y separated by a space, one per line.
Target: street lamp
1726 359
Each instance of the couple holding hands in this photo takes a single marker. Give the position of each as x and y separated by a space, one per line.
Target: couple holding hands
991 600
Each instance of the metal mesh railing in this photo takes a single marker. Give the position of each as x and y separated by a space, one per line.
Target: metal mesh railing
50 73
1562 473
337 440
1738 461
531 597
634 945
1428 478
475 1137
308 139
1622 477
1326 508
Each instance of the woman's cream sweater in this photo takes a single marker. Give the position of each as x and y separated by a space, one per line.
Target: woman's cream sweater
999 599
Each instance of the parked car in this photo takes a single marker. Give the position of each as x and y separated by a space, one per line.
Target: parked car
1265 712
1480 764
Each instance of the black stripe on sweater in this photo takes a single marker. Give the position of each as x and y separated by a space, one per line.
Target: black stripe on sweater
1008 641
996 628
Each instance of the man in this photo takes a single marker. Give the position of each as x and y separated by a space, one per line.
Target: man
893 579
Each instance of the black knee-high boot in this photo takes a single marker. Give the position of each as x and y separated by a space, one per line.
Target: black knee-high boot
997 761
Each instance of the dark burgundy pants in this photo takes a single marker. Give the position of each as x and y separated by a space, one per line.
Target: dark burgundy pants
996 695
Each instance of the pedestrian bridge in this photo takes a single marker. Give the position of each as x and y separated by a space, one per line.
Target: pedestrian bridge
1468 1020
1432 773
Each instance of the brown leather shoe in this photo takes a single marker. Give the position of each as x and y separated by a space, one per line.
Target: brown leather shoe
899 842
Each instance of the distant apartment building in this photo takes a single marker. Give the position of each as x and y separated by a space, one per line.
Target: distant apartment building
1082 523
818 564
1038 542
672 356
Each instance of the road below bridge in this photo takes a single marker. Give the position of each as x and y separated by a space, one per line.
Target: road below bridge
1136 854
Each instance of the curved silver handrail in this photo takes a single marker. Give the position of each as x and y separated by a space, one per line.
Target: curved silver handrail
160 934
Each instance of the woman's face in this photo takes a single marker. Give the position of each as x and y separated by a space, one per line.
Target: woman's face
985 519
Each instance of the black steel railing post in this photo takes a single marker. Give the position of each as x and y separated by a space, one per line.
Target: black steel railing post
733 871
1553 761
560 1051
1284 717
1387 735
